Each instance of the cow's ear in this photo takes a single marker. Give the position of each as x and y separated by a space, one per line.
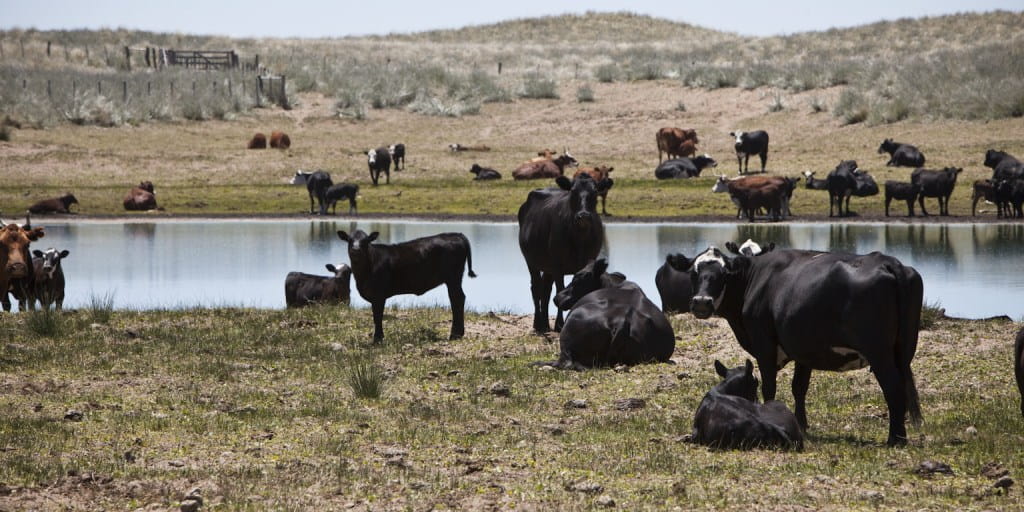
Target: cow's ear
720 369
373 236
733 248
732 134
679 262
600 266
36 234
605 184
563 183
344 236
331 268
749 367
37 253
64 253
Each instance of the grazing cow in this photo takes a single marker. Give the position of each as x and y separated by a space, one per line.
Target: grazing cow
902 191
1011 193
937 184
824 311
814 183
901 154
598 174
1004 165
841 184
1018 366
16 269
484 173
280 140
729 416
397 152
676 142
48 286
60 204
610 322
750 193
417 266
674 286
750 143
258 141
379 160
683 167
338 192
317 183
301 289
545 167
457 148
141 197
559 232
986 189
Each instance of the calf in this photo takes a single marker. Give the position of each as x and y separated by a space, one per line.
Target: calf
484 173
683 167
456 148
545 168
302 289
610 322
417 266
141 197
901 154
280 140
986 189
48 287
729 416
1011 193
599 173
341 191
379 160
317 183
902 191
814 183
750 143
258 141
676 142
675 287
937 184
397 152
1018 366
60 204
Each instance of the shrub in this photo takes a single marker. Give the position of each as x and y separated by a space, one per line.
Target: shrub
852 107
776 103
366 379
101 308
817 105
584 94
680 106
606 73
537 87
931 313
45 322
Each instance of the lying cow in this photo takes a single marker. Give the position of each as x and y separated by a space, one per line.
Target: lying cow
417 266
1018 366
676 142
729 416
280 140
397 153
457 148
901 191
258 141
937 184
675 287
750 143
545 167
141 198
813 183
48 287
684 167
379 160
598 174
901 154
60 204
484 173
610 322
317 183
301 289
342 191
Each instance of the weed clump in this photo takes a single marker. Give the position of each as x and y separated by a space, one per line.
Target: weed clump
366 379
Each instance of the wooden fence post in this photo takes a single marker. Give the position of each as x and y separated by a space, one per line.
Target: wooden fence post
24 83
74 90
128 57
87 54
1 49
283 100
149 88
499 67
231 93
48 48
259 85
67 54
99 87
148 63
49 91
172 87
106 55
124 94
22 43
193 87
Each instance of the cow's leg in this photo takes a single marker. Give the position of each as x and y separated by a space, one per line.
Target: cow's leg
768 373
910 207
739 162
920 201
378 321
603 199
893 388
311 210
801 382
848 196
888 199
540 288
559 286
458 302
764 159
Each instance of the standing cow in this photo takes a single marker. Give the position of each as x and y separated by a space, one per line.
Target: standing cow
16 268
901 154
559 232
676 142
317 183
341 191
937 184
397 153
902 191
48 286
379 160
750 143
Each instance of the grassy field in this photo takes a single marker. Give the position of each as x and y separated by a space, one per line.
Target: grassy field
277 410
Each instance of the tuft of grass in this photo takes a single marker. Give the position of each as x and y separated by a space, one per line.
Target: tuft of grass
931 313
584 94
5 133
606 73
537 87
817 105
776 104
44 322
101 308
680 106
366 379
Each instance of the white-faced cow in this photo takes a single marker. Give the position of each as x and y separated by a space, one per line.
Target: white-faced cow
674 286
60 204
901 191
559 233
824 311
379 160
484 173
397 154
684 167
729 416
316 183
813 183
750 143
48 286
16 269
301 289
610 322
937 184
417 266
900 154
1018 366
341 191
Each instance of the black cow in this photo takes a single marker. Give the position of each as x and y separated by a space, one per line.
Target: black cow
379 160
902 191
842 182
1018 366
674 286
610 322
316 183
417 266
987 190
60 204
559 232
750 143
824 311
397 154
937 184
814 183
342 191
484 173
1004 165
48 288
729 416
684 167
301 289
1011 193
901 154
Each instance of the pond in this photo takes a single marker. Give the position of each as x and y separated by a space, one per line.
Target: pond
974 271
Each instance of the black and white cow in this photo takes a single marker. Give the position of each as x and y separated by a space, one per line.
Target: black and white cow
901 154
684 167
750 143
729 416
397 154
379 160
48 275
341 191
316 183
824 311
674 286
814 183
301 289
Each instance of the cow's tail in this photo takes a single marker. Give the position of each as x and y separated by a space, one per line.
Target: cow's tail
469 257
911 297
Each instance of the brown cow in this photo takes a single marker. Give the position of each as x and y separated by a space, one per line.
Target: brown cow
60 204
599 173
749 193
141 197
280 140
670 140
545 168
16 261
258 141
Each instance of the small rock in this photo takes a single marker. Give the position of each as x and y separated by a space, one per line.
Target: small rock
241 366
131 333
5 490
546 368
262 436
554 430
398 462
994 470
577 403
605 501
682 375
931 467
95 326
195 493
391 451
621 369
586 487
37 408
433 375
191 505
1004 482
630 404
245 409
73 415
337 347
175 463
971 431
452 373
875 497
500 389
451 389
16 347
129 457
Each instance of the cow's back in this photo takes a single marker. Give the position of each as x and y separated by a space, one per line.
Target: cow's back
547 239
415 266
617 325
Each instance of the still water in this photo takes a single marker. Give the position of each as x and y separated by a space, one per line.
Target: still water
973 270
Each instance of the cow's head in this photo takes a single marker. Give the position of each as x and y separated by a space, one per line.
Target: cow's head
953 171
583 191
342 271
371 156
749 248
848 166
721 185
887 146
68 199
704 161
583 282
147 186
993 157
566 160
709 273
358 243
15 257
739 381
738 135
476 169
301 177
51 259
